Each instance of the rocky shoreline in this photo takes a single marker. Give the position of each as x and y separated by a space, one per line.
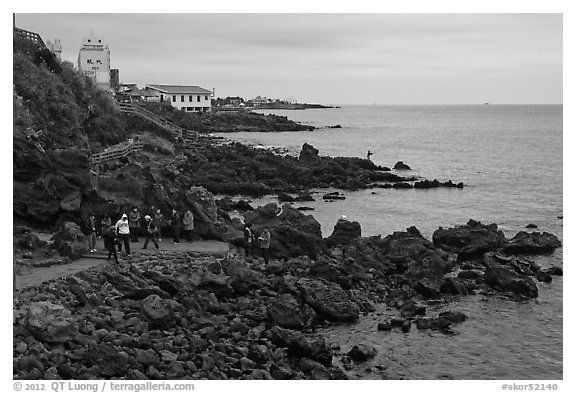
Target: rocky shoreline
185 316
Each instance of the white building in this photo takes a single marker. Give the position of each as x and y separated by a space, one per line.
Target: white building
186 98
94 60
260 101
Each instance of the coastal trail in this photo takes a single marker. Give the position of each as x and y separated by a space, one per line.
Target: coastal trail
38 275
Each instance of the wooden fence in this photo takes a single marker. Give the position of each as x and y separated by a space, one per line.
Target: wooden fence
34 37
175 130
117 151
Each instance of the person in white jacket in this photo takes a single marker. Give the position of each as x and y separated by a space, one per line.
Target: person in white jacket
123 231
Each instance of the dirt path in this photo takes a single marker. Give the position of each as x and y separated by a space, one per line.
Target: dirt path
36 276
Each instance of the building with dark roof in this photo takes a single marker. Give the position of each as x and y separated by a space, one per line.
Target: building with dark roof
186 98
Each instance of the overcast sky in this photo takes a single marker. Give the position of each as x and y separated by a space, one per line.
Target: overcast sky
330 58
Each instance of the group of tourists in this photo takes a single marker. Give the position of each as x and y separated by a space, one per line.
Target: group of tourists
130 226
262 242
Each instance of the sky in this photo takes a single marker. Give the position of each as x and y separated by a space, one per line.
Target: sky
330 58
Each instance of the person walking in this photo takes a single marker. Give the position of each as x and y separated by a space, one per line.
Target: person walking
176 224
188 222
151 232
109 236
134 224
123 230
91 225
159 222
264 240
248 238
105 224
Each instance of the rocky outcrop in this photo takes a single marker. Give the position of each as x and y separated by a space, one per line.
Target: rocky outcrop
401 166
470 240
287 312
50 322
504 277
344 233
299 344
69 240
532 243
308 154
328 299
292 232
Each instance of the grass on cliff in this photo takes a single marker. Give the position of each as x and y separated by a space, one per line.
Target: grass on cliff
52 97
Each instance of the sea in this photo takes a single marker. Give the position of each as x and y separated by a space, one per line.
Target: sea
510 160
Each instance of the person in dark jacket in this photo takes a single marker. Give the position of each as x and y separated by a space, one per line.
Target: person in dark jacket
109 236
91 226
134 224
151 232
159 223
248 239
264 241
176 224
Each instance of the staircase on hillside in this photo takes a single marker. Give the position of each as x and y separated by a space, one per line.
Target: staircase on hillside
117 151
188 136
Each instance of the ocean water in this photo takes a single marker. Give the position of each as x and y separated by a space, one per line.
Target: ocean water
510 160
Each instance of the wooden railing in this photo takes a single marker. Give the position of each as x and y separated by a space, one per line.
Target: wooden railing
175 130
29 35
117 151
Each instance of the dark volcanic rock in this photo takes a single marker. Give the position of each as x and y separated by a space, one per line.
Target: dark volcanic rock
301 345
472 239
333 196
292 232
287 312
107 358
157 311
362 352
505 278
453 316
532 243
51 322
70 241
328 299
308 153
344 233
401 166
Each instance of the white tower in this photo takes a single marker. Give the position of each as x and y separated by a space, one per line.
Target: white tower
94 60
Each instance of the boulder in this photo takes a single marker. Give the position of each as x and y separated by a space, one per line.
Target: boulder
506 279
242 278
287 312
532 243
110 362
203 205
51 322
401 166
453 316
71 201
299 344
157 311
70 241
362 352
308 153
344 233
292 232
472 239
328 299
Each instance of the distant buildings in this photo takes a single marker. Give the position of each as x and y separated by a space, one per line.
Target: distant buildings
259 101
186 98
94 61
55 47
